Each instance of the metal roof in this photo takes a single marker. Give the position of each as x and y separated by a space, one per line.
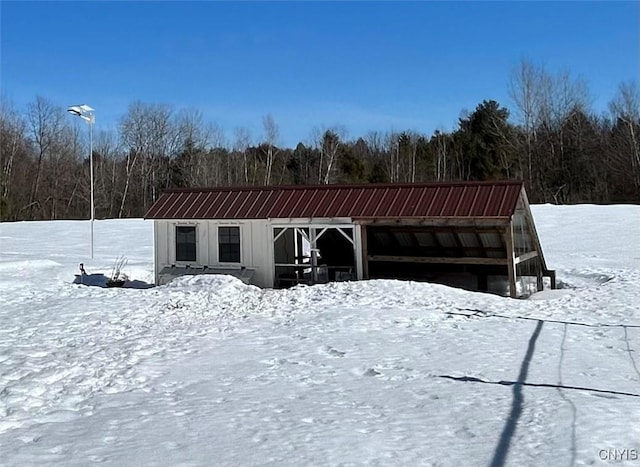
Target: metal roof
384 201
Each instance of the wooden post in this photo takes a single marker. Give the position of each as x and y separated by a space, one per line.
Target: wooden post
511 260
357 252
314 255
539 274
365 253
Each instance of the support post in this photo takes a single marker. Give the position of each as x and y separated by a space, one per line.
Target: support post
365 252
511 260
357 249
539 276
314 255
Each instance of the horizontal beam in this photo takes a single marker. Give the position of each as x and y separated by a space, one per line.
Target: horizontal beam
436 221
497 230
437 260
526 257
323 225
310 221
435 249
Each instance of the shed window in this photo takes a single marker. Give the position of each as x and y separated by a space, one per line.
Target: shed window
229 244
185 243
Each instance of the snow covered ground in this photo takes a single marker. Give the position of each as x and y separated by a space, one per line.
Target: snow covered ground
209 371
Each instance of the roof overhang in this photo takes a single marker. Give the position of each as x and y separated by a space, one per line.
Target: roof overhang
436 221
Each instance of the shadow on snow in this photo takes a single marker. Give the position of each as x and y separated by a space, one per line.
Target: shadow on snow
100 280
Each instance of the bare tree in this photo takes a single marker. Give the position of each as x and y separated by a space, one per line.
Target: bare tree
216 157
12 147
193 139
45 121
63 173
150 137
107 161
329 149
271 136
441 142
544 102
406 153
392 149
525 91
134 134
240 146
163 143
191 127
414 137
625 109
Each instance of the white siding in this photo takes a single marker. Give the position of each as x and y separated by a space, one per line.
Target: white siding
203 251
260 243
161 245
256 246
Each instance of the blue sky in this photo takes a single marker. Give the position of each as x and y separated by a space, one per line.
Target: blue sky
364 65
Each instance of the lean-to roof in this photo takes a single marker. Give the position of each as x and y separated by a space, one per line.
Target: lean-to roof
381 201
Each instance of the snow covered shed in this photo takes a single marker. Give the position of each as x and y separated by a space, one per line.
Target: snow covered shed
475 235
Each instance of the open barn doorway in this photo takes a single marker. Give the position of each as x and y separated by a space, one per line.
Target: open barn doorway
472 258
313 254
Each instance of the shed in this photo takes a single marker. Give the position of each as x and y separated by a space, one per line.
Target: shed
475 235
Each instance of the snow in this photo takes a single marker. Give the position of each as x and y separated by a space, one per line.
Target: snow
207 370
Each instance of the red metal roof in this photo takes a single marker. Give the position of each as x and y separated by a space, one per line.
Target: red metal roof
463 199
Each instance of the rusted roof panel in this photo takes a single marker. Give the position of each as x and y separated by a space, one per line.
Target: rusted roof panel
384 201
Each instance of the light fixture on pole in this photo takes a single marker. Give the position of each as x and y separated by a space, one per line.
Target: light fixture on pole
86 113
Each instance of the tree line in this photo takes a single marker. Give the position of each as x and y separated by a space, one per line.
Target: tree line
551 139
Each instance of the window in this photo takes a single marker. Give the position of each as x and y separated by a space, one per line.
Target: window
185 243
229 244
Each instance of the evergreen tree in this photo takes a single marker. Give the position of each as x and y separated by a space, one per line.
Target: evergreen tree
486 143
